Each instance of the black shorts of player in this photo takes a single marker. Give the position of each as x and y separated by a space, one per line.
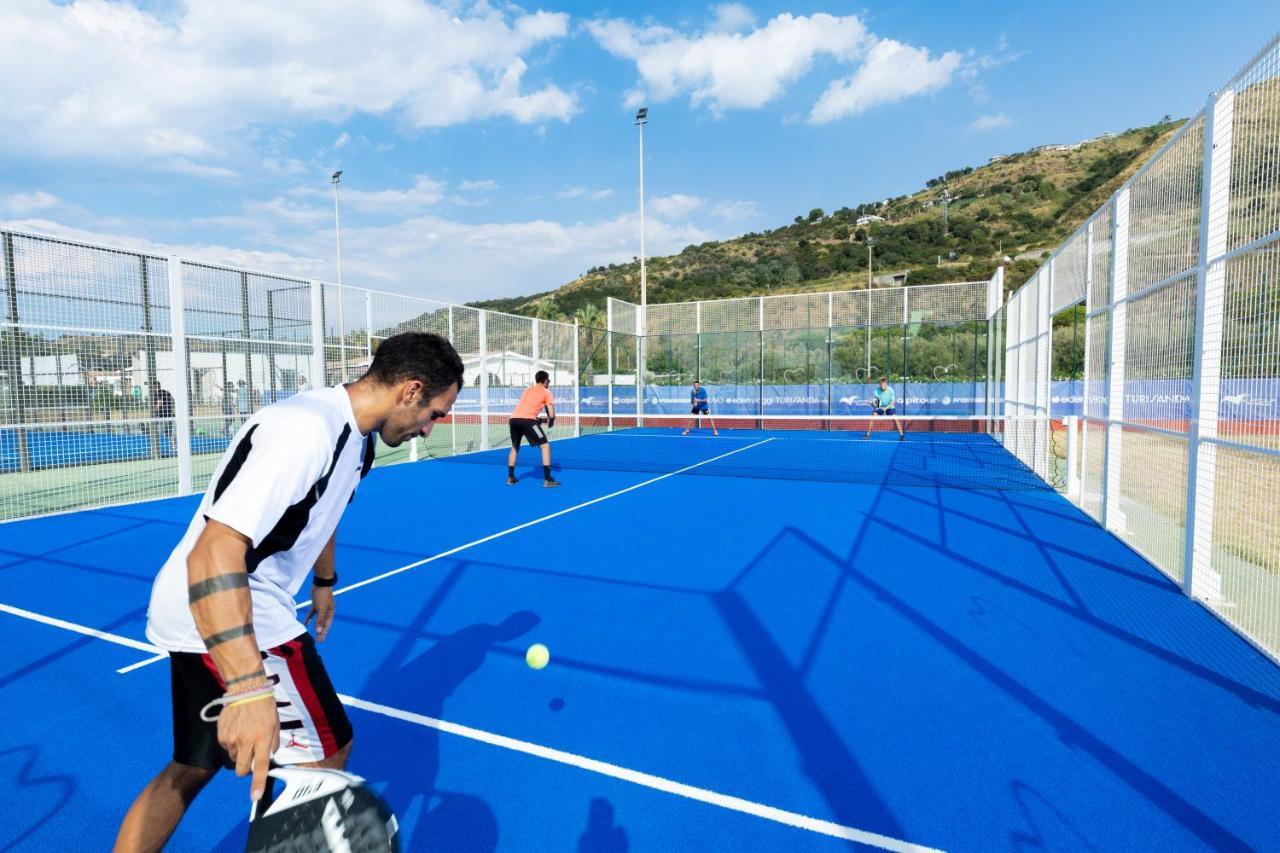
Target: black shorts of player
884 412
313 723
699 410
527 429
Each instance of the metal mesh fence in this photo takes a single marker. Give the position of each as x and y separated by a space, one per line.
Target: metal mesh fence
818 353
123 376
1180 406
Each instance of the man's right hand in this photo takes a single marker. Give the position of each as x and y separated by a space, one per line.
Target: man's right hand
250 733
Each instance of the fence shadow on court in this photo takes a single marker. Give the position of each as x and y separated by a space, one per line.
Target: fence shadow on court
410 759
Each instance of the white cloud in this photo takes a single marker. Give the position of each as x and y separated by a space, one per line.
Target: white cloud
677 206
425 255
732 18
736 211
739 65
892 71
995 122
479 186
342 140
730 70
180 88
24 204
600 195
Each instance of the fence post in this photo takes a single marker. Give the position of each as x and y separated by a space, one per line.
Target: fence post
13 355
641 328
760 375
1043 348
368 324
484 382
1070 424
1199 579
453 420
1085 408
182 377
577 383
608 356
319 376
831 323
1112 516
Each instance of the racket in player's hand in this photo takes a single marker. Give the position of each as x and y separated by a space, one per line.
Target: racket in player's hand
319 811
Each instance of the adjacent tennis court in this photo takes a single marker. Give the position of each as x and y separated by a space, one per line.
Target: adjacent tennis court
771 639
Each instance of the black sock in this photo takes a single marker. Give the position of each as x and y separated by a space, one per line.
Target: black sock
511 471
546 472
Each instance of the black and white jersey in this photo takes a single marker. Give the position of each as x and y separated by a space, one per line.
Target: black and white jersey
284 483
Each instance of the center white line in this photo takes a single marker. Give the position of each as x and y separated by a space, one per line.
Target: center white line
492 536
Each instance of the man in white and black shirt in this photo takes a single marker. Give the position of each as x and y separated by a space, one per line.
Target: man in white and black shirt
223 604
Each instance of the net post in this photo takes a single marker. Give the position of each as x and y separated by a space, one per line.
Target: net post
1071 423
182 376
413 449
1199 579
319 376
1112 515
577 383
484 380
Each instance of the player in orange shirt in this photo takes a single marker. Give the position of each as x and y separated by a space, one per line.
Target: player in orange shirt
526 423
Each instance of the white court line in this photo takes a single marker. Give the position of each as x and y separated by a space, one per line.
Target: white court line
604 768
79 629
557 514
647 780
492 536
124 670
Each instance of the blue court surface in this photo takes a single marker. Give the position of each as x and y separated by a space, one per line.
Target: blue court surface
763 661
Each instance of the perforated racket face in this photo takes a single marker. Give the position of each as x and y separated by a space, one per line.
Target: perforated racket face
350 818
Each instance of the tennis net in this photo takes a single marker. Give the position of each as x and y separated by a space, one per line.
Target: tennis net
930 451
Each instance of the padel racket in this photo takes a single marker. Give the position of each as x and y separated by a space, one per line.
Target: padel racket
321 811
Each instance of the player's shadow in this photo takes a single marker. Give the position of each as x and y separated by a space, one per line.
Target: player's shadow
603 834
42 797
409 755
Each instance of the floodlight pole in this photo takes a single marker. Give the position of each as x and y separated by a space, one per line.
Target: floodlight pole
337 241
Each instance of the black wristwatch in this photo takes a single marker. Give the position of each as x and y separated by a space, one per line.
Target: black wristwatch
319 581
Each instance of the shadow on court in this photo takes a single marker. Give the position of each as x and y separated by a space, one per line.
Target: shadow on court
603 834
422 682
44 796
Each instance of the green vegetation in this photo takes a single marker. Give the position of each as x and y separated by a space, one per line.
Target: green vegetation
1020 206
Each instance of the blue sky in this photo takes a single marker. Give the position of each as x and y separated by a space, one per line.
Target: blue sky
488 150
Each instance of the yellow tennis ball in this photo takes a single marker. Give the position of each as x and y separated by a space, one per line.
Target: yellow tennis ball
538 656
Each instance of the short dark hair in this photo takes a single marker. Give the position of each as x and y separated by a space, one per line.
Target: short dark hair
883 379
541 376
428 358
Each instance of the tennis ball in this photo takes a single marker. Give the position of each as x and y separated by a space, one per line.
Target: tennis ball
538 656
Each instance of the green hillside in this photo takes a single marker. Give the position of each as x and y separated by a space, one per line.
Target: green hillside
1019 206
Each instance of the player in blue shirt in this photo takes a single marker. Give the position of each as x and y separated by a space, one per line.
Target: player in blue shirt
883 402
700 403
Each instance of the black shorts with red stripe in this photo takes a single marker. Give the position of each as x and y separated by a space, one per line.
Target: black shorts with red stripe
313 723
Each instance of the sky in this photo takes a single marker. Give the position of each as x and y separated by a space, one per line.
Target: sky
488 149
